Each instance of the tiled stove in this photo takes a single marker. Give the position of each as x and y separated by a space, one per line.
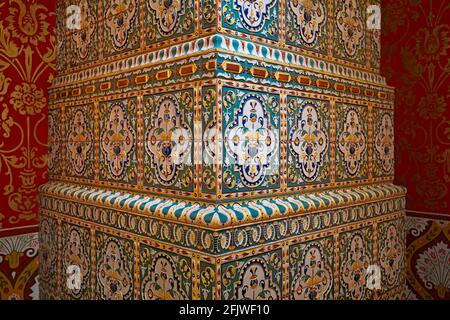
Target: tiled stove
234 149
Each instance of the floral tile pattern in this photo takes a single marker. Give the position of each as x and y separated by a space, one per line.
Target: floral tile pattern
82 46
120 26
118 140
48 249
56 142
169 140
207 281
115 269
355 259
256 278
306 24
383 147
351 142
79 141
311 270
374 35
308 145
391 248
251 132
171 18
349 31
76 251
209 13
164 276
209 140
252 17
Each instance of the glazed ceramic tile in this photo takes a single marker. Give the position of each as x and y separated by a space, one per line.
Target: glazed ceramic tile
251 131
229 149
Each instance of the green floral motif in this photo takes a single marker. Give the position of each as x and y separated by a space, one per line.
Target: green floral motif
118 141
168 19
351 142
309 138
164 276
115 267
311 270
207 281
256 278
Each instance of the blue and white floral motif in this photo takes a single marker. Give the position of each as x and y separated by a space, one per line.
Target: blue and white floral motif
310 15
167 13
169 140
253 13
251 141
309 141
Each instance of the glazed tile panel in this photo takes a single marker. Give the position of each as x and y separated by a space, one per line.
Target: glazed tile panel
307 25
76 245
251 140
118 141
311 270
319 212
164 275
350 28
48 257
79 141
383 143
302 257
171 18
169 140
115 267
77 46
351 142
221 139
256 18
356 257
109 29
228 149
308 129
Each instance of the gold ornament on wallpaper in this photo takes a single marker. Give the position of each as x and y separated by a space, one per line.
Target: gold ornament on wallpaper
415 60
27 54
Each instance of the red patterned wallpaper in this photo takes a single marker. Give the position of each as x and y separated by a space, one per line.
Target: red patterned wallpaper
415 44
27 57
